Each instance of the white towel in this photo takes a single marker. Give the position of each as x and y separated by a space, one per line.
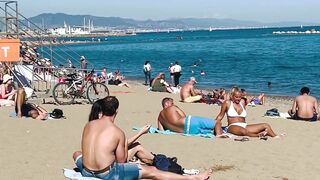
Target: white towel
73 175
283 115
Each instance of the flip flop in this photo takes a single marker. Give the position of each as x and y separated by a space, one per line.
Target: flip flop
263 138
242 139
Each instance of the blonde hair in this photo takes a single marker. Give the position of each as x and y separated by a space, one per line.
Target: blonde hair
234 90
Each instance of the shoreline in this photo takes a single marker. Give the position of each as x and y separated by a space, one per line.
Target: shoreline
207 90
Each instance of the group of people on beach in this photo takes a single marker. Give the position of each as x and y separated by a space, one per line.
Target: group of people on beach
106 151
174 70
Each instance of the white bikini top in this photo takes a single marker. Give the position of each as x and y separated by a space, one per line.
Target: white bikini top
233 113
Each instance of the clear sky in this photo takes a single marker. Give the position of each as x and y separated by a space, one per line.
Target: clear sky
257 10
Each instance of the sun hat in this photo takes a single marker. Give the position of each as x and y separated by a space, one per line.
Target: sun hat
6 78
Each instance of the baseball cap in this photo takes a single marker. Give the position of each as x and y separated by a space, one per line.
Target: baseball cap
193 79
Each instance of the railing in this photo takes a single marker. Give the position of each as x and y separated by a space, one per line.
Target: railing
43 79
40 78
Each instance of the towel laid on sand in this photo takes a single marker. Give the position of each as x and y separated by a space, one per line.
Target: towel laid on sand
73 175
283 115
14 115
153 130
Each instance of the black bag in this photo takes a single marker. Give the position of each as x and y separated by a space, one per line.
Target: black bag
57 114
272 112
164 163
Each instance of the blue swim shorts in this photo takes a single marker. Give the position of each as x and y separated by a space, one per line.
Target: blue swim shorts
118 171
198 125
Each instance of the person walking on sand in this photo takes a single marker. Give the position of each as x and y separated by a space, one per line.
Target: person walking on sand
187 92
236 115
177 73
147 72
174 119
305 107
105 150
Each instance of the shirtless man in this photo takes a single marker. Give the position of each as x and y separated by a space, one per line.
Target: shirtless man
174 119
305 107
104 151
187 92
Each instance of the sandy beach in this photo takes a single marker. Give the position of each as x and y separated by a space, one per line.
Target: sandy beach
39 150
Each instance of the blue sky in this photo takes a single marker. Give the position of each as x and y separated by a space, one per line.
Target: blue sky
257 10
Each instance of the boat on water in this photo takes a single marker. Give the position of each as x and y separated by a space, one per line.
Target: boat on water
311 31
132 33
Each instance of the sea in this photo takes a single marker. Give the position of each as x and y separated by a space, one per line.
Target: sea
248 58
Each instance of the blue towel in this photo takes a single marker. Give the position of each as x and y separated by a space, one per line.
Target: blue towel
13 114
153 130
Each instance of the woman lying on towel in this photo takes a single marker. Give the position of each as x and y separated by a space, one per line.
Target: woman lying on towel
236 115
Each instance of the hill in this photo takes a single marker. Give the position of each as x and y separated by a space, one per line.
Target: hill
50 20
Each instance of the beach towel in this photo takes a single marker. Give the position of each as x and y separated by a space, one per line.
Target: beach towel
283 115
14 115
73 175
153 130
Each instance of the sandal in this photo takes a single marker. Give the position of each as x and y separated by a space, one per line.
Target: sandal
242 139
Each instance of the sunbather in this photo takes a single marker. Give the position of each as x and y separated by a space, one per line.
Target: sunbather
305 107
104 151
7 91
160 85
173 118
135 149
187 92
236 114
28 109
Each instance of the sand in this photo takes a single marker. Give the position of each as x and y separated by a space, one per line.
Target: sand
32 149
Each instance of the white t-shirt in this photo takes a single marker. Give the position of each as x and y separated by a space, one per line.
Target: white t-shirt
147 67
176 68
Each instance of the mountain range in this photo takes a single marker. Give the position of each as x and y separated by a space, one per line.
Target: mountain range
51 20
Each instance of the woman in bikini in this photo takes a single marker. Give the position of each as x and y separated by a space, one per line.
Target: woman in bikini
236 114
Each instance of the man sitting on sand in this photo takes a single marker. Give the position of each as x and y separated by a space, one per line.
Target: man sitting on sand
305 107
187 92
28 109
174 119
104 151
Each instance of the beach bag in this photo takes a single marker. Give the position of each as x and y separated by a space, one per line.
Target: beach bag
272 112
164 163
56 114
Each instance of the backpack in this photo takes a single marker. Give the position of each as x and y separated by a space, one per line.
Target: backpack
164 163
56 114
